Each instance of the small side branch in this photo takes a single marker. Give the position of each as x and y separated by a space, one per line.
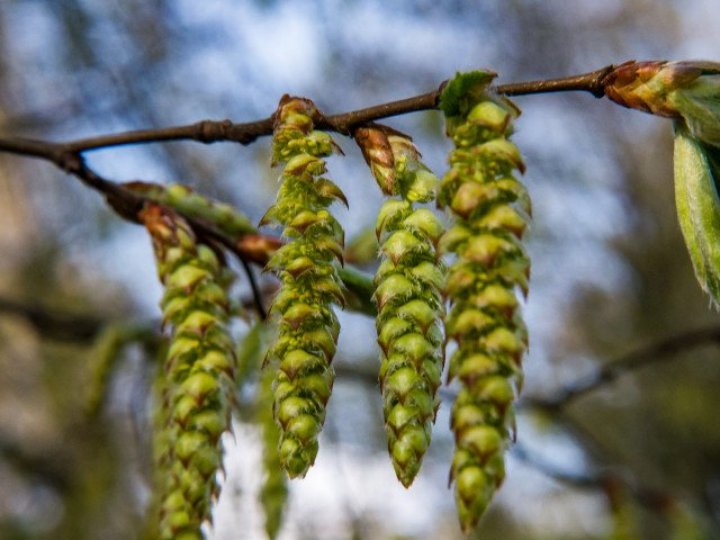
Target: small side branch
125 202
593 82
653 499
661 351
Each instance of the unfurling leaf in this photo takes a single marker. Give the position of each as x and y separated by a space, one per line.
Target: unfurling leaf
697 172
688 89
463 91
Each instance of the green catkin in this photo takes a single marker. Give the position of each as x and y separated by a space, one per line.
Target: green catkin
685 522
197 379
307 268
106 352
252 348
624 518
274 491
491 210
410 307
181 198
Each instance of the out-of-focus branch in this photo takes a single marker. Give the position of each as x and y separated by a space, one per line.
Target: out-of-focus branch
654 499
575 479
53 324
50 468
661 351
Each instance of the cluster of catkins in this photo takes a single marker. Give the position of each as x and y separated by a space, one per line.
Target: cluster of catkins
482 330
486 263
197 378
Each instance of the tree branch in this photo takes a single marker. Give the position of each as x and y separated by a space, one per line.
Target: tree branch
125 202
657 352
653 499
593 82
52 324
68 155
255 289
579 480
209 131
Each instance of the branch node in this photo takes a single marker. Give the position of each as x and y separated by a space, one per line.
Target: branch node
209 131
68 161
597 86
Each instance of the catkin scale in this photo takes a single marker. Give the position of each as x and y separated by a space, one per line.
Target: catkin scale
491 209
197 376
407 294
307 267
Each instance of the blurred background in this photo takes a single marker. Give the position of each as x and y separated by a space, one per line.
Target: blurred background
638 457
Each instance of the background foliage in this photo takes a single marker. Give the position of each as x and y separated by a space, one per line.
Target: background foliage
610 272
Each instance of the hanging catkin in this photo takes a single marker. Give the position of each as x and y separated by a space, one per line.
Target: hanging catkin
197 377
408 284
307 268
491 209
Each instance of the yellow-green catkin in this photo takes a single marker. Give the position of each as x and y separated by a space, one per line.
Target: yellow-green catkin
490 208
106 352
273 491
624 517
197 377
252 348
408 296
685 522
191 204
307 268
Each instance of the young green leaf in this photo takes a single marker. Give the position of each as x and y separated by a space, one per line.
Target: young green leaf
698 206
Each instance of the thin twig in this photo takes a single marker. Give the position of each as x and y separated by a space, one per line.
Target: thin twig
657 352
256 292
209 131
652 498
580 480
592 82
205 131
